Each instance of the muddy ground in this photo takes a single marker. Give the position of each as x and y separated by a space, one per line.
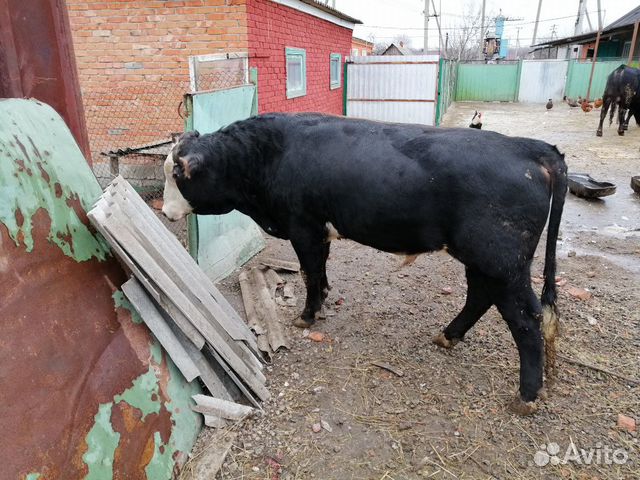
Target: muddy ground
443 414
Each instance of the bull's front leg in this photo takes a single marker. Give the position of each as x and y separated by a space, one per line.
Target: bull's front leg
312 251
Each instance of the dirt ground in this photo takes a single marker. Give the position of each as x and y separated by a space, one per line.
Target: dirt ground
443 414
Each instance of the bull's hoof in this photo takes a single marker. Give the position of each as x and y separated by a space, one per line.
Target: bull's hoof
444 342
301 322
598 133
522 408
621 133
543 394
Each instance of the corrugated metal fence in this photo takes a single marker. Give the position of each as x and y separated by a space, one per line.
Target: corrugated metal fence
393 88
541 80
488 82
531 80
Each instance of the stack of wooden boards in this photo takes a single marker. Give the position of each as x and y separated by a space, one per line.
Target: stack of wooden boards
196 325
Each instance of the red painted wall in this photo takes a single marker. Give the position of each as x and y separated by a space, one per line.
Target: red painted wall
272 28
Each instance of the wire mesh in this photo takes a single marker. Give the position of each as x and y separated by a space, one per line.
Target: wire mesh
130 130
131 126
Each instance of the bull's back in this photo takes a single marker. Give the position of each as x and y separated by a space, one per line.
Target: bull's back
409 188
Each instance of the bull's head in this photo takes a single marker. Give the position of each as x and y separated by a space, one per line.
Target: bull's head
176 170
193 181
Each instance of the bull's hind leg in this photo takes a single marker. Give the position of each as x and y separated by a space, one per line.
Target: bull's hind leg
479 299
522 311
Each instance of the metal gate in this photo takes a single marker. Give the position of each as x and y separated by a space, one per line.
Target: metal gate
392 88
541 80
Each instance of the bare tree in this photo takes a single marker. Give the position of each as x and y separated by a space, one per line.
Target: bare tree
465 37
402 40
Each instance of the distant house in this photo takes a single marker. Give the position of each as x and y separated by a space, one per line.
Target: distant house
397 49
134 59
615 41
361 47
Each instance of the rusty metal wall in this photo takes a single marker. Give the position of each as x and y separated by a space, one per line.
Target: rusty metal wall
85 389
37 59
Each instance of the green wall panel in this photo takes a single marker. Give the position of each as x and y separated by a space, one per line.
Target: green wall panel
578 78
224 242
486 83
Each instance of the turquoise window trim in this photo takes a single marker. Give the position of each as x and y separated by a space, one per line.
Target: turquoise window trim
335 82
292 53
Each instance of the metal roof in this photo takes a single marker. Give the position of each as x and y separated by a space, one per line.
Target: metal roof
623 23
331 11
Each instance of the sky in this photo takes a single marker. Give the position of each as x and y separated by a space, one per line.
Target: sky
385 19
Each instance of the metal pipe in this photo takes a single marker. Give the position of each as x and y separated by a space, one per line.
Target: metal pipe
593 63
633 42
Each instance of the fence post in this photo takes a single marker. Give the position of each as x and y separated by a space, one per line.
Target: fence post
439 91
192 219
518 78
344 89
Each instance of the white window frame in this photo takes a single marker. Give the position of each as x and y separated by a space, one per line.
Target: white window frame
335 83
302 54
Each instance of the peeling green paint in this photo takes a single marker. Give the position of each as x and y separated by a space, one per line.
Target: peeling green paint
47 172
33 476
102 441
142 393
121 301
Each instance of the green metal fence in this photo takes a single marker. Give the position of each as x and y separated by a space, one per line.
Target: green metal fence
487 82
578 77
447 70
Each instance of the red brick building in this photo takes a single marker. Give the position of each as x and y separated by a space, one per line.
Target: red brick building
133 58
360 47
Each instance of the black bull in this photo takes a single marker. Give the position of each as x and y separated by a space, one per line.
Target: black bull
406 189
622 91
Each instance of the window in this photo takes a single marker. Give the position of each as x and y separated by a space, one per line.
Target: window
626 48
354 52
335 70
296 72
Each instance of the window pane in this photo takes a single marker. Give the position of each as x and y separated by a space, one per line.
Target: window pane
335 70
294 73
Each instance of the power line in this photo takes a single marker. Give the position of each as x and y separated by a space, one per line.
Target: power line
458 28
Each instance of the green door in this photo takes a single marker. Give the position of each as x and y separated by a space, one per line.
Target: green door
222 243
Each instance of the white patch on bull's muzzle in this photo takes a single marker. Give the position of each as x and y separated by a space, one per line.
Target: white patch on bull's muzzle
175 205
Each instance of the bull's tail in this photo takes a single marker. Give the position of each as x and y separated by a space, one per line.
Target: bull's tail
550 322
614 105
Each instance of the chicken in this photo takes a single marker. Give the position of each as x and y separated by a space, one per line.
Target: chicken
570 101
597 103
476 121
586 106
549 104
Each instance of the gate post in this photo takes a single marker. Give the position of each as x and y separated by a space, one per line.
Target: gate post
344 88
518 79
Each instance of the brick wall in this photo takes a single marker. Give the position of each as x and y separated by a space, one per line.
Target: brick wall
132 57
272 28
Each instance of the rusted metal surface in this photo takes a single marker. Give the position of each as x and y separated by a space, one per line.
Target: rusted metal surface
37 59
86 391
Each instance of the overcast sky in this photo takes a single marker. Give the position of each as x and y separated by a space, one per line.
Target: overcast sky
379 16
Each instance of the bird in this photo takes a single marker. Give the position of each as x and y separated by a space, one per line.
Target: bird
476 121
586 106
570 101
549 105
597 103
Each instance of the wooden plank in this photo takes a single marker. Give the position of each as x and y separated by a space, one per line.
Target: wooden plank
220 408
219 341
268 312
151 316
278 264
181 260
98 216
178 279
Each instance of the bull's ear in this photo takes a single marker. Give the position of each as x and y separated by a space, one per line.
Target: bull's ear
191 164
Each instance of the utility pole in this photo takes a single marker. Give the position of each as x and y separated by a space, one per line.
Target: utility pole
437 17
535 29
482 33
426 26
599 16
578 26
